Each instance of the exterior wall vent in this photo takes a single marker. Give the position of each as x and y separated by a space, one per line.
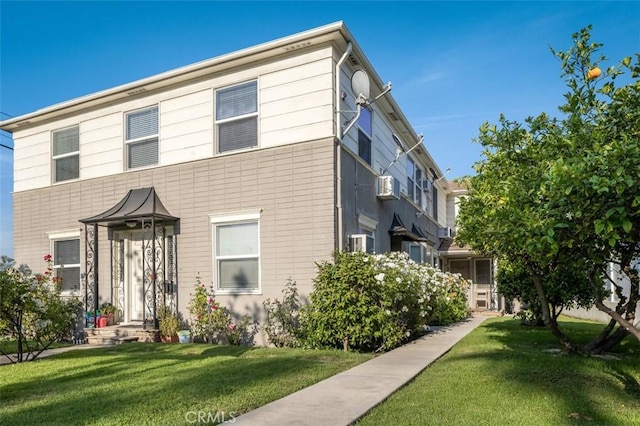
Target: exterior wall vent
136 91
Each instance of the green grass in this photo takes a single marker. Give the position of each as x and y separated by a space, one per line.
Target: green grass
11 346
500 374
155 384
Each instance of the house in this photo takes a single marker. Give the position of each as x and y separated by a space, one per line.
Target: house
483 294
243 170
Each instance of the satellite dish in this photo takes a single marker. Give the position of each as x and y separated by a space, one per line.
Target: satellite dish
360 84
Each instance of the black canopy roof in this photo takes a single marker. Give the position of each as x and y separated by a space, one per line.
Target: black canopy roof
141 203
399 229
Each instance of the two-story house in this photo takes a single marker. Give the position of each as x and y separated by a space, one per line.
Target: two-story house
244 170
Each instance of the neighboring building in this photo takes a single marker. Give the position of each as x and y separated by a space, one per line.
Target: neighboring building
234 169
460 259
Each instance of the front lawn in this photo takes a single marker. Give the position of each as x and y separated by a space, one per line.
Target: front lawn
506 373
158 384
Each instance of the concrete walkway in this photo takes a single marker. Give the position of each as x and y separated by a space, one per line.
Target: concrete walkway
345 397
4 360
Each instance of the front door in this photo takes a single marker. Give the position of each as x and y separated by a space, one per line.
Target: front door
134 297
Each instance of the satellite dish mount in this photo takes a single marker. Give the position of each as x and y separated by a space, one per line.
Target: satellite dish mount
361 87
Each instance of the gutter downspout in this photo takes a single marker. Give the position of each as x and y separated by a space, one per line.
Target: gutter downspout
338 161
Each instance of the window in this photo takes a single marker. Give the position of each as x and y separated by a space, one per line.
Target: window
483 271
365 132
411 184
66 154
142 137
416 253
434 213
237 253
414 183
237 117
65 250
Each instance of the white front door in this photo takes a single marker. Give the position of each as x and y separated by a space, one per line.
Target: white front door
134 297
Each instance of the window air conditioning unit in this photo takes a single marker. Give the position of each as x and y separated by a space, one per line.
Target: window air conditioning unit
388 188
362 242
445 233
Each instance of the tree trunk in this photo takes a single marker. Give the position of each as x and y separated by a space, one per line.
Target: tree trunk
548 319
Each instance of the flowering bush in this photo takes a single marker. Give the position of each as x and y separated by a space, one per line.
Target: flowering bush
32 310
212 323
282 326
377 302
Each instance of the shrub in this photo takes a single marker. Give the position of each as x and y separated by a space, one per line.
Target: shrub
212 323
283 323
32 311
377 302
209 321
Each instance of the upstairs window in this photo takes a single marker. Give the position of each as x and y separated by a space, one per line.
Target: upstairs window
411 183
142 137
66 154
237 117
365 132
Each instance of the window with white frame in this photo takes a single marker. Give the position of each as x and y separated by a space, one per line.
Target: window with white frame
66 154
142 137
414 182
365 133
237 253
65 251
237 117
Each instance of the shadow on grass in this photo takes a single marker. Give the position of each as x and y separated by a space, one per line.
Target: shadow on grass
530 358
153 384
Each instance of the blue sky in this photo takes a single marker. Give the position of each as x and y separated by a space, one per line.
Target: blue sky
453 65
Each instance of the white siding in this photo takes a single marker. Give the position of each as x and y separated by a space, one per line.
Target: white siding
101 146
186 128
32 164
296 104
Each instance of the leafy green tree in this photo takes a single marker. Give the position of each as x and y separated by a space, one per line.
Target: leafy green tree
560 194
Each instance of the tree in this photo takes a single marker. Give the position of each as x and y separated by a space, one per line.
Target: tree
32 310
559 194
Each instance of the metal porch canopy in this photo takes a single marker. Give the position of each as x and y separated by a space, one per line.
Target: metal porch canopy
142 210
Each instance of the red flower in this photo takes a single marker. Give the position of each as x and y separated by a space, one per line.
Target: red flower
47 258
47 272
39 277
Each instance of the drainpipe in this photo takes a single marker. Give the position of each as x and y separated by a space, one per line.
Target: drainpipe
338 161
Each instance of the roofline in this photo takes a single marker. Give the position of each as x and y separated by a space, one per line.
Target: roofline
176 75
199 69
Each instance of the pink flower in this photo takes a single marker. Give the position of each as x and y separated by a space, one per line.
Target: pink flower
211 300
232 326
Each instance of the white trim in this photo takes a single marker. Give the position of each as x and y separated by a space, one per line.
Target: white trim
64 236
237 217
367 223
216 220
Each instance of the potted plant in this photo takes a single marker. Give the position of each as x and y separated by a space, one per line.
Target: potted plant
184 336
169 326
108 311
